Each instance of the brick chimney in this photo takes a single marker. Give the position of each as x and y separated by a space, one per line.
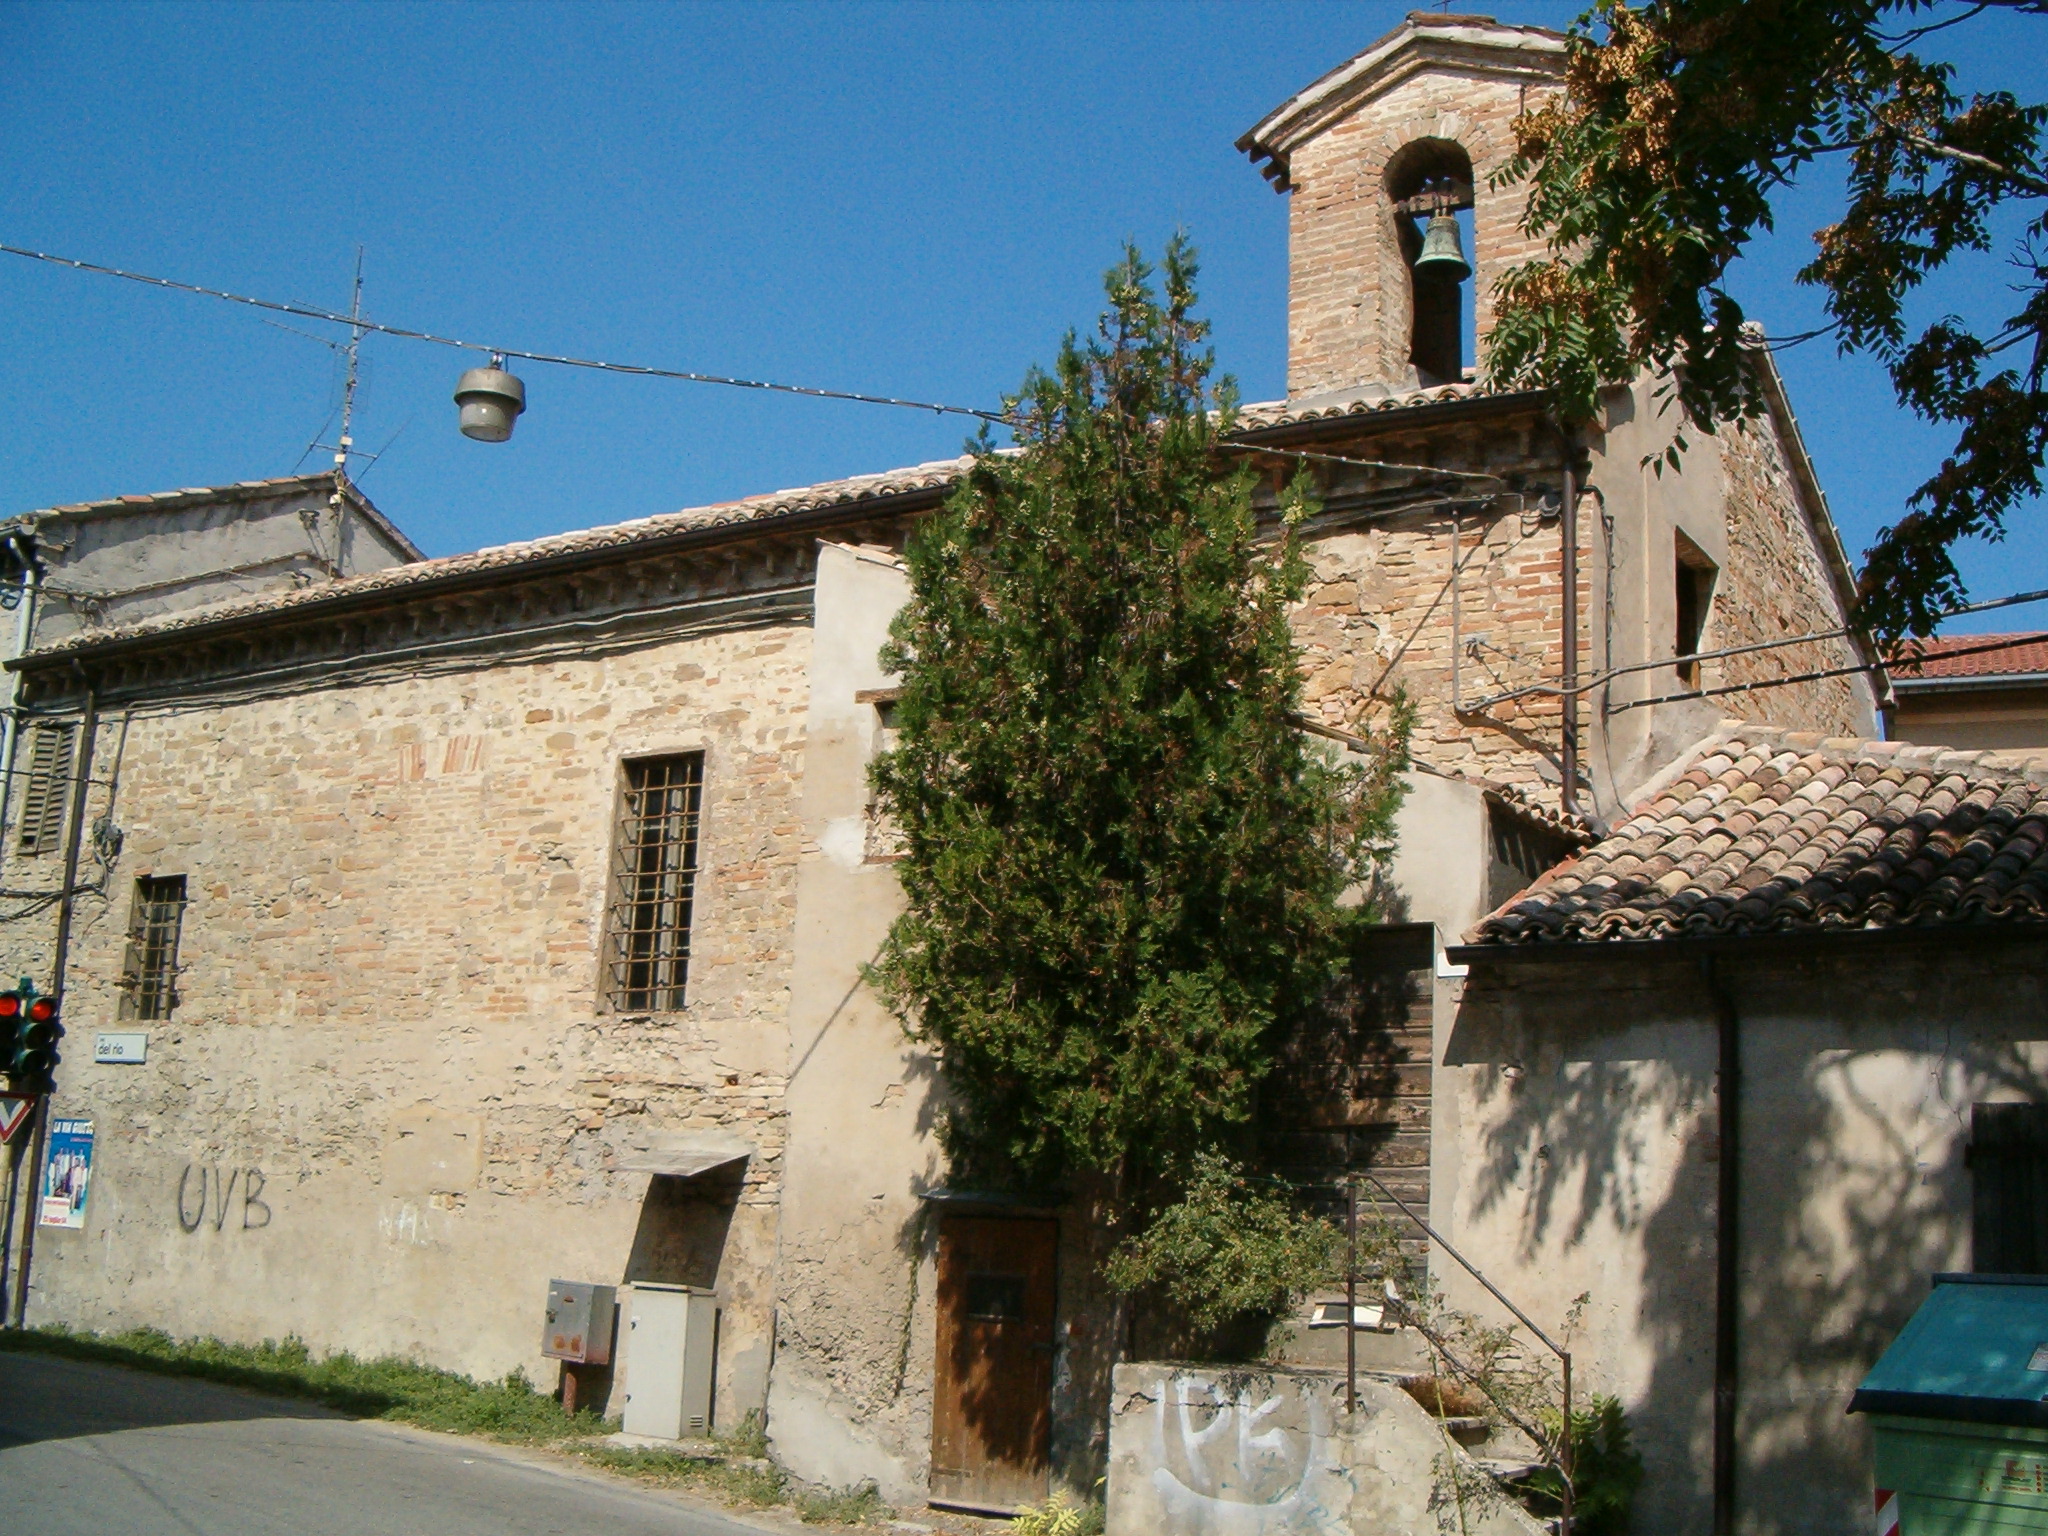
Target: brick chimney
1418 122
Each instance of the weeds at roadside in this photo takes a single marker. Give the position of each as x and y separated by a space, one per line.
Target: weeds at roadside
857 1505
737 1472
400 1391
744 1483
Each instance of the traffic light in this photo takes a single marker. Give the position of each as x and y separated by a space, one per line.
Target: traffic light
11 1011
35 1052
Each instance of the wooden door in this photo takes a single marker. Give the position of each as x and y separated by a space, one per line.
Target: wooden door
992 1387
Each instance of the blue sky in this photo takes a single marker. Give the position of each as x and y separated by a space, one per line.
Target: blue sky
911 199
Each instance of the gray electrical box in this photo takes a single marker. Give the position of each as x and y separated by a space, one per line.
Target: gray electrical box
579 1326
671 1336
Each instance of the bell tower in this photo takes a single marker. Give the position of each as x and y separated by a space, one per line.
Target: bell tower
1393 230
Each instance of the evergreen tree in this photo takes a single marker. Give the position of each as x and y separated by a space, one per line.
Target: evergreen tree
1123 859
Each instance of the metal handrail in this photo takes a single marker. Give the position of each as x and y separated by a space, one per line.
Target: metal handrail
1564 1456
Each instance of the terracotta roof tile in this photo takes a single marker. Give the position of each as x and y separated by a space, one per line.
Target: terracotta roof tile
1766 830
938 474
1987 656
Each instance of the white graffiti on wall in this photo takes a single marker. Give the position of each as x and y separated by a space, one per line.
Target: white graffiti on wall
1238 1476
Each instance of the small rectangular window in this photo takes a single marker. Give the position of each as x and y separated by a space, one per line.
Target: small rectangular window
51 749
1695 598
2009 1189
149 979
653 887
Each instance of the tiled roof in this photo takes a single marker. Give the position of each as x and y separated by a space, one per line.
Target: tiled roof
1369 401
1982 656
241 490
936 475
754 509
1762 830
1554 819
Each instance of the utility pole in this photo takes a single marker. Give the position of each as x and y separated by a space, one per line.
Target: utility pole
74 838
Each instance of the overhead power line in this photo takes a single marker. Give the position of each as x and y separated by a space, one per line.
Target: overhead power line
332 317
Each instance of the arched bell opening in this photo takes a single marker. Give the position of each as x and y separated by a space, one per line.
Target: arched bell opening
1429 183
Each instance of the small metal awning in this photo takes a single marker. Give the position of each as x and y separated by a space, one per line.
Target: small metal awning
1044 1203
684 1157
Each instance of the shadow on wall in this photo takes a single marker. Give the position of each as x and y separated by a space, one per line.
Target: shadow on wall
1592 1146
683 1225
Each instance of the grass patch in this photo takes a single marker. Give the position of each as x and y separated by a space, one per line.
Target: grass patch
747 1484
842 1506
402 1391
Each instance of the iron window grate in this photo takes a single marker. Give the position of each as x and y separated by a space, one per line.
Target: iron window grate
654 877
151 979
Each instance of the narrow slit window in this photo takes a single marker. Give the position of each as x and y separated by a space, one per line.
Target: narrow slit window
150 978
51 751
654 878
1694 598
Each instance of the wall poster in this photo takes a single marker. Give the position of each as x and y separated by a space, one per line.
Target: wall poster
67 1173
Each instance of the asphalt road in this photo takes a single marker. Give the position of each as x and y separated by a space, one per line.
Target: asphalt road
94 1448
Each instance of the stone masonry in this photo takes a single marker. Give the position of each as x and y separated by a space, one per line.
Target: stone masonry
389 1078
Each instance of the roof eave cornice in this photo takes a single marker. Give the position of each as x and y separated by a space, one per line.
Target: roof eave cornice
1473 43
345 604
1568 949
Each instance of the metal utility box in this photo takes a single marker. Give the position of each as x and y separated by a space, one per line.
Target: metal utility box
672 1331
580 1322
1959 1411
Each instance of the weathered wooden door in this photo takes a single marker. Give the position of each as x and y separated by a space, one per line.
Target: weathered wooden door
992 1388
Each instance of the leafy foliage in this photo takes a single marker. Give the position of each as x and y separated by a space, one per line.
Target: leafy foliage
1606 1471
1226 1249
1654 169
1058 1515
1122 858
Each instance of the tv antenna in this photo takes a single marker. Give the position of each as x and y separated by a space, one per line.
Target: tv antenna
350 351
345 449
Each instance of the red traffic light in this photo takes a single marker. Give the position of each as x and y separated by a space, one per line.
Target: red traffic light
10 1005
42 1010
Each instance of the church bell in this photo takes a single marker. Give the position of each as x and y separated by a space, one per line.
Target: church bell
1442 253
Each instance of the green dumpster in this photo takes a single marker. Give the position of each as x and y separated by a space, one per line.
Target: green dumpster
1958 1414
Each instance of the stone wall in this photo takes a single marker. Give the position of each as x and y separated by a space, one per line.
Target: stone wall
1777 586
390 1105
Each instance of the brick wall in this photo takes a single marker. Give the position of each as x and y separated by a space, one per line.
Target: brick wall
1348 285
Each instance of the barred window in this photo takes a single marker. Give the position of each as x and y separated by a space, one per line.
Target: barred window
52 745
654 876
149 978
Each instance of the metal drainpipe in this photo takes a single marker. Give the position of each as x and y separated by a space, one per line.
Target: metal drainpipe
74 838
1727 1245
1568 573
24 631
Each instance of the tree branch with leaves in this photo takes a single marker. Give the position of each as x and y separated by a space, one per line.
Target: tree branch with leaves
1653 170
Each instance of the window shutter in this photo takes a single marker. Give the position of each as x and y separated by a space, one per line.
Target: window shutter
49 776
2009 1180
